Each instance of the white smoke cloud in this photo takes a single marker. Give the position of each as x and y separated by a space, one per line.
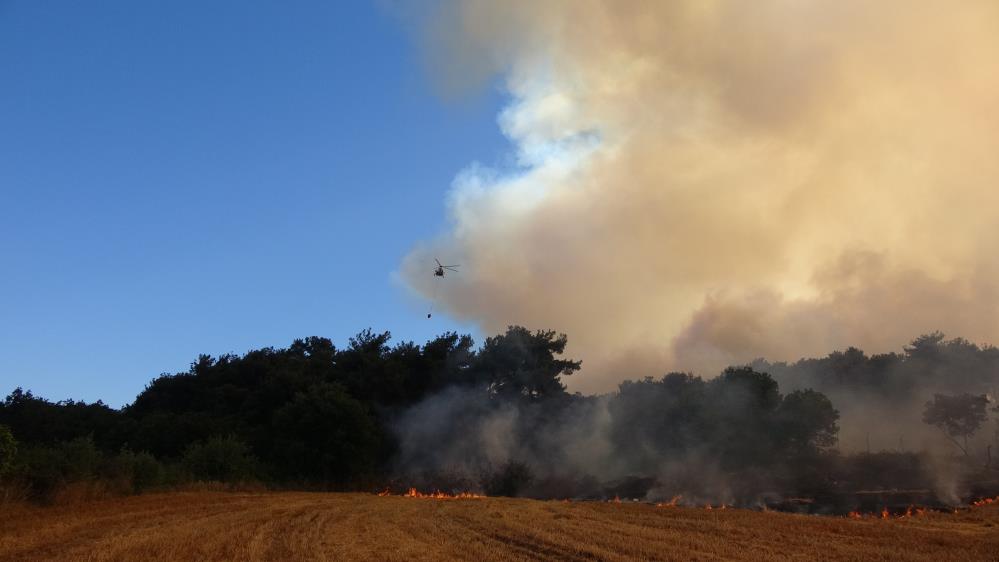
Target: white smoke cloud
704 182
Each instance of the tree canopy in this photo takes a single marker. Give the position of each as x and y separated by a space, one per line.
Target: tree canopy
959 416
321 415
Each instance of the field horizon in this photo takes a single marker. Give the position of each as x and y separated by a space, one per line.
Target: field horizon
350 526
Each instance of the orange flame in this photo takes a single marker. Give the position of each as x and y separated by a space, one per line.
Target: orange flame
670 503
437 495
911 511
985 501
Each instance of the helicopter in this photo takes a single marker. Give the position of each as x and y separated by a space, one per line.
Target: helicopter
439 271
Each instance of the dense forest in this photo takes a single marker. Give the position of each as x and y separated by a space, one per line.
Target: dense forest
498 418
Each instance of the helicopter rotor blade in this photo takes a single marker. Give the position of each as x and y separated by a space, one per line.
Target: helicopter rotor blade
438 262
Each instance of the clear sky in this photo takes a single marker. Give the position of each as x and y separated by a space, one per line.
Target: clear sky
192 177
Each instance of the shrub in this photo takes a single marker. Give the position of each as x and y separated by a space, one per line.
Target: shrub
41 471
132 473
147 472
78 459
220 459
8 450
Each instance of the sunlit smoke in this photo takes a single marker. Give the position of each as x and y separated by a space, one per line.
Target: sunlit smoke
698 183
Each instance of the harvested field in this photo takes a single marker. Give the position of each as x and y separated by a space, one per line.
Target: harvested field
320 526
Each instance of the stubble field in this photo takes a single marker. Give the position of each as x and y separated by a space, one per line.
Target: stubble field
322 526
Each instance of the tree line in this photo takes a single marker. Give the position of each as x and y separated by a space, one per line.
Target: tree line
316 416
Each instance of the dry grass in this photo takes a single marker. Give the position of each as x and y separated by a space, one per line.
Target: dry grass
315 526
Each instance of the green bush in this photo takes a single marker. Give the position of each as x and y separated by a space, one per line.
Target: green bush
133 473
47 469
220 459
79 459
8 450
147 472
40 468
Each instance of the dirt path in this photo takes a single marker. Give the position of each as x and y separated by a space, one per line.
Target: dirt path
313 526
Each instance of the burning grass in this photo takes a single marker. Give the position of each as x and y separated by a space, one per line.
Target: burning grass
985 501
323 526
435 495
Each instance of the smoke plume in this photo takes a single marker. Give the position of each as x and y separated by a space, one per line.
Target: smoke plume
698 183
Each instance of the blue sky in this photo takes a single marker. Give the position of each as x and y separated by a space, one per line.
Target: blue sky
192 177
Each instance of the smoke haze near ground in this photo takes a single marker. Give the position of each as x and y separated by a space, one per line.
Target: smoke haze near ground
827 427
701 183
